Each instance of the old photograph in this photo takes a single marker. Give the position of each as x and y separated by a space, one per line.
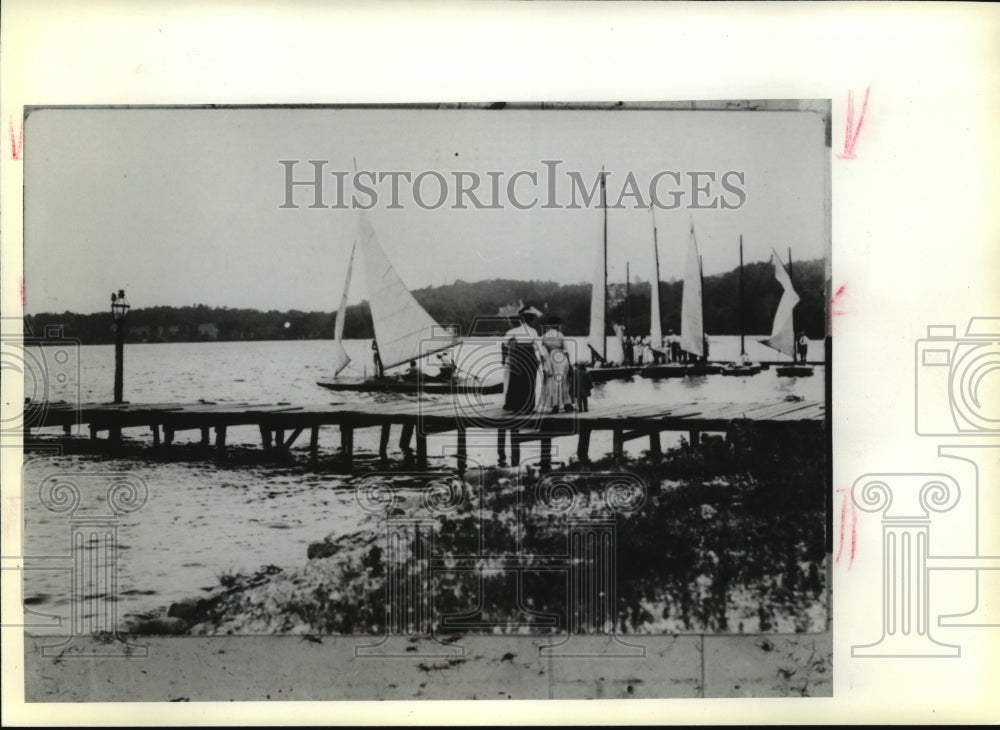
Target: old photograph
454 401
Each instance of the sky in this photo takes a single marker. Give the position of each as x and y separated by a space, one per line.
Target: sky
183 206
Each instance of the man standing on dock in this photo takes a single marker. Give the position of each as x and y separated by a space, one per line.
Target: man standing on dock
673 346
802 347
377 360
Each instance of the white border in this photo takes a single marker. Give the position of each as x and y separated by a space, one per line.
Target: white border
915 227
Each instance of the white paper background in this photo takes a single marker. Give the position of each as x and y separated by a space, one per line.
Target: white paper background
916 235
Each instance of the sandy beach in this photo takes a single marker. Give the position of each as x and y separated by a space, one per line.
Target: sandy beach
283 668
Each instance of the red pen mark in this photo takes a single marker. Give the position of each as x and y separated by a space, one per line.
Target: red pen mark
16 143
851 137
833 311
848 505
8 524
20 290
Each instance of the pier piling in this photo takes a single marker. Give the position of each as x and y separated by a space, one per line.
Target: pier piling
347 445
383 442
220 441
405 437
314 445
583 445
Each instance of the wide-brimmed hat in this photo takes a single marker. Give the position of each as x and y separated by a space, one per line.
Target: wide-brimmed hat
529 311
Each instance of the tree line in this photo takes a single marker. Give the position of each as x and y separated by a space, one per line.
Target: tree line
469 304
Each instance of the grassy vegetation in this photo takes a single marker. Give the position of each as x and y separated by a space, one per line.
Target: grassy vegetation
730 538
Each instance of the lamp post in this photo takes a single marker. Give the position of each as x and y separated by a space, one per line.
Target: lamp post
119 311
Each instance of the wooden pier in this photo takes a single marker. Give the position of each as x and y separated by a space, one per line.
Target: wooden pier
281 424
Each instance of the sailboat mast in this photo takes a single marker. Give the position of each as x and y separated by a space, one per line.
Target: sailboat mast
656 252
628 292
795 346
656 259
604 204
742 328
701 277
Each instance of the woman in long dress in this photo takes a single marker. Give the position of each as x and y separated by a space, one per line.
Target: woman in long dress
647 350
556 392
522 357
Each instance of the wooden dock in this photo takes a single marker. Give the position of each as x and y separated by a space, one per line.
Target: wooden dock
281 424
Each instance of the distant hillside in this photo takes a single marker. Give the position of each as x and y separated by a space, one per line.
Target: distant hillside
463 302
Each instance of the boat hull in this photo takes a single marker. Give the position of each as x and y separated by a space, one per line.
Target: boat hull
703 369
602 375
742 370
408 386
663 371
795 371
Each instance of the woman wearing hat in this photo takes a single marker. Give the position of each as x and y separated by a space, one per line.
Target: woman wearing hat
522 357
556 367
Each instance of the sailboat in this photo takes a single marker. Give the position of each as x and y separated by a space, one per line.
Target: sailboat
340 357
743 366
604 364
782 336
663 370
404 331
693 338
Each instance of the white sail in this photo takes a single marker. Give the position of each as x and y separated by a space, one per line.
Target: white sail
655 327
782 336
404 330
616 345
340 357
692 324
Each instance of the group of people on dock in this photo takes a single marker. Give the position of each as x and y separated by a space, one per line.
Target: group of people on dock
525 353
639 351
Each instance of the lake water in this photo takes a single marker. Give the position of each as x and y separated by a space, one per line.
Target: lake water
287 372
203 519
